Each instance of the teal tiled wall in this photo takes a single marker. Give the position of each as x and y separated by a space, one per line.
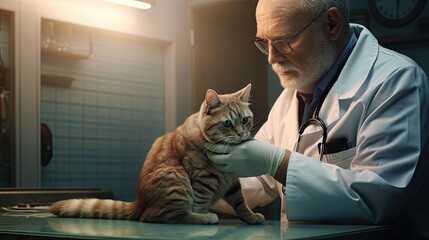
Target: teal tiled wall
104 122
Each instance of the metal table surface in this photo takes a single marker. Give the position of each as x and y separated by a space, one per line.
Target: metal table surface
42 226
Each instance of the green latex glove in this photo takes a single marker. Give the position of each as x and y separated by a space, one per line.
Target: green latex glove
247 159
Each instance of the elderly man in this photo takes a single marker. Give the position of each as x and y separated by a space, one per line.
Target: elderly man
345 140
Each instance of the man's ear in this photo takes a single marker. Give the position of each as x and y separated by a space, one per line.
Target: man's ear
334 23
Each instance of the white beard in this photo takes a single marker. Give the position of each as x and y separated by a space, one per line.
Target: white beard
316 65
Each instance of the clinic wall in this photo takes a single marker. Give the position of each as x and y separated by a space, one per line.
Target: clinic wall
104 111
167 22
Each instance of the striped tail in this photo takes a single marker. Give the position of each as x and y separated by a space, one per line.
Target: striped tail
96 208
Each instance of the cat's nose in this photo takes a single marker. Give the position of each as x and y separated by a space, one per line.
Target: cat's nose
244 136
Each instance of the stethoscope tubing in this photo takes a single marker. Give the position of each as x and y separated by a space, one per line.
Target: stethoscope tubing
315 119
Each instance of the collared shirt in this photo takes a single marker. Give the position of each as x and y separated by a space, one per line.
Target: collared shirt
308 102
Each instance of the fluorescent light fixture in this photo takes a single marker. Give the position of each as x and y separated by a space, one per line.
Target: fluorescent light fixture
142 4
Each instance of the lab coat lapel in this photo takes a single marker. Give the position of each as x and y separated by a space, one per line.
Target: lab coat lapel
341 95
365 53
338 100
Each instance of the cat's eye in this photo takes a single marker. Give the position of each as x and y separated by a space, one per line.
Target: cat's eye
244 120
227 123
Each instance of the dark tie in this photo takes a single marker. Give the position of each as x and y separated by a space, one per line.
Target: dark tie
305 105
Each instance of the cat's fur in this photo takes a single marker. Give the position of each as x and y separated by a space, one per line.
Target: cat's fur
177 182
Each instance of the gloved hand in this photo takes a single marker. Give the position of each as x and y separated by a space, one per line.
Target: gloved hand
247 159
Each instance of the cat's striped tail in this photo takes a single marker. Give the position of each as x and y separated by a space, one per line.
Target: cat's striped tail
96 208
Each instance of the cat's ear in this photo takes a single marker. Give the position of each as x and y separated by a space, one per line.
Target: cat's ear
244 94
212 100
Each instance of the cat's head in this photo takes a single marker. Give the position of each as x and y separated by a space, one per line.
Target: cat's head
227 117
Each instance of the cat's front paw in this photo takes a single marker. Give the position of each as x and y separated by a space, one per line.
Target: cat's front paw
256 218
209 218
200 218
259 218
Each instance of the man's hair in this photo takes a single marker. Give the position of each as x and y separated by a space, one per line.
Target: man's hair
315 6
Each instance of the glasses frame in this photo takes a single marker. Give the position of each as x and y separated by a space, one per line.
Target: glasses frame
279 44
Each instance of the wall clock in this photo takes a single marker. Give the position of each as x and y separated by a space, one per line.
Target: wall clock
396 13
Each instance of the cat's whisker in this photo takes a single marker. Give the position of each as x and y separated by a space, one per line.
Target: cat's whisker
256 125
206 150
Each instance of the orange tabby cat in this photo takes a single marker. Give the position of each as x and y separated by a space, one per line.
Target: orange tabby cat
177 183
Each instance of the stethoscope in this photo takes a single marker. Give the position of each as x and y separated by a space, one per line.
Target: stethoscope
315 119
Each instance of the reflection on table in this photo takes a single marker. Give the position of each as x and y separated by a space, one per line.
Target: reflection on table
49 226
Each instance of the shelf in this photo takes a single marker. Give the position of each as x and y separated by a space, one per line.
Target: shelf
66 55
56 35
56 80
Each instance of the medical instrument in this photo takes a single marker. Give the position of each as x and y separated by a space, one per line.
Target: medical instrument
315 119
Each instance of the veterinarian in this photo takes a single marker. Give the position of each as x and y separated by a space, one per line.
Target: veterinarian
345 141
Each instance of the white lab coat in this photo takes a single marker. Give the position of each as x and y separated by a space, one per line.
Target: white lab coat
380 103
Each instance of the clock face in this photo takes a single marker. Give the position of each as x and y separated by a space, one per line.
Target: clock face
396 12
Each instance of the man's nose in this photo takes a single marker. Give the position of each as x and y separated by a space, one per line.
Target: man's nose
274 56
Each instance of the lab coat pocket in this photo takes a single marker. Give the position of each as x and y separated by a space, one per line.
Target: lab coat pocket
341 159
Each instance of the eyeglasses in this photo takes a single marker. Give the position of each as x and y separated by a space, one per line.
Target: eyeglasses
281 45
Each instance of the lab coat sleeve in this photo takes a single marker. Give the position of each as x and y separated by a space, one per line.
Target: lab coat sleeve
374 189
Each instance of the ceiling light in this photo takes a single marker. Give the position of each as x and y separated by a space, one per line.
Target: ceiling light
142 4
